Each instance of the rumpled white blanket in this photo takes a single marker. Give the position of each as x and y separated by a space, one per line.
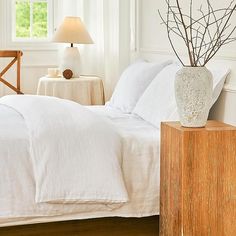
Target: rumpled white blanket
75 154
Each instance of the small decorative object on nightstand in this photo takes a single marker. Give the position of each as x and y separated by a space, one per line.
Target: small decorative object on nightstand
53 72
67 74
86 90
198 180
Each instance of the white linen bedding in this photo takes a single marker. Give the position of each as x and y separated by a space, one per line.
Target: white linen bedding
140 165
75 154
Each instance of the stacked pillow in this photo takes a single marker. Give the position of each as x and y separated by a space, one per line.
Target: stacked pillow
158 101
133 82
219 77
147 90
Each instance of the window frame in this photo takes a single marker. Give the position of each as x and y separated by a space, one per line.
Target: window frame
31 43
49 22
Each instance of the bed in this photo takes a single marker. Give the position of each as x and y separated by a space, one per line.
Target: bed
140 172
62 161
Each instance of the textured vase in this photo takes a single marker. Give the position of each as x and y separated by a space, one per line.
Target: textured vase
193 93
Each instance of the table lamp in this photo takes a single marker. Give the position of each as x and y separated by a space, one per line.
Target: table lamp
72 30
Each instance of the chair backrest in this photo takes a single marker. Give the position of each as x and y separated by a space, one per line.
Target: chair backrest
16 55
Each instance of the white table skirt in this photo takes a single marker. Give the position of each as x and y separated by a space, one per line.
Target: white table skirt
86 90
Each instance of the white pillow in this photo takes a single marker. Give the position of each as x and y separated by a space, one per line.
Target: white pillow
219 77
158 101
133 82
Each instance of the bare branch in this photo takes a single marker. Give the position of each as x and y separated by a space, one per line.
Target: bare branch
203 36
213 51
207 20
186 33
168 31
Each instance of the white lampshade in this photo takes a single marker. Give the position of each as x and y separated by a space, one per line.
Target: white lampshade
72 30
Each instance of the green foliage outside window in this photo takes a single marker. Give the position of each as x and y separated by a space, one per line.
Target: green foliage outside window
40 20
22 19
24 29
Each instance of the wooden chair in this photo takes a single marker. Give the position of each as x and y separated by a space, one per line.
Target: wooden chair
16 58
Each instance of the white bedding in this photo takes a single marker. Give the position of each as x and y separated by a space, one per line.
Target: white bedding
75 154
140 166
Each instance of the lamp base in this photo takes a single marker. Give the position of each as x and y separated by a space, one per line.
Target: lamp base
71 61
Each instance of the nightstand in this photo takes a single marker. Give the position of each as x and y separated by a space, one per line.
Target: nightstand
198 180
86 90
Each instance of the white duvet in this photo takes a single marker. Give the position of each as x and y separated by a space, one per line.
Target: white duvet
140 169
75 154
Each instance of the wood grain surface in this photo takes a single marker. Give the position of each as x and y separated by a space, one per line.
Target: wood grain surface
147 226
198 180
16 59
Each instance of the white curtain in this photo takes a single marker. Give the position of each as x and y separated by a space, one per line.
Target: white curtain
103 20
102 58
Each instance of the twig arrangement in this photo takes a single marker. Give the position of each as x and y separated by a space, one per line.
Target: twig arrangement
203 36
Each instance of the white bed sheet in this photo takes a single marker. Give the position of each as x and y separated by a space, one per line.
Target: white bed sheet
141 168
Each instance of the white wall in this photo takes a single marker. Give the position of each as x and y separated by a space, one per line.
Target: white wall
151 42
151 36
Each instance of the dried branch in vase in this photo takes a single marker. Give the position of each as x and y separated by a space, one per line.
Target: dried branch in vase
203 36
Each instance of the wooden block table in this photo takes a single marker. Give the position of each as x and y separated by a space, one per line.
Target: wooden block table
198 180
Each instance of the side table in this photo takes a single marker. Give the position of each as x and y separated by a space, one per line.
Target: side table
86 90
198 180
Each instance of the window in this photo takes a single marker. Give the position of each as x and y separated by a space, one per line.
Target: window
32 20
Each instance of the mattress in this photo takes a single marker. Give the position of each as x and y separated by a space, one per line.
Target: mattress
140 165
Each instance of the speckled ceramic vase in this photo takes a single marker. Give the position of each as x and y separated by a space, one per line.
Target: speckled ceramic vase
193 93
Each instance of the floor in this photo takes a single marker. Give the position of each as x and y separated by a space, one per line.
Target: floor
96 227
